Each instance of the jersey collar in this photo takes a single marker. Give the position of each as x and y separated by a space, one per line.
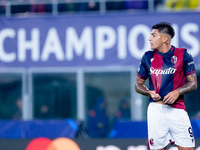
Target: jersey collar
168 53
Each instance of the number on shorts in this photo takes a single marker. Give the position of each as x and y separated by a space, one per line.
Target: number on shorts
190 131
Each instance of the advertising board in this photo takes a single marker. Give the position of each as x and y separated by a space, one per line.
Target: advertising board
90 40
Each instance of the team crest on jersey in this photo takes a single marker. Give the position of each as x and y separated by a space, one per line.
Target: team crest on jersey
151 141
174 59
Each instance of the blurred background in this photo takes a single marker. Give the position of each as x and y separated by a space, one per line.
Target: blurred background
68 68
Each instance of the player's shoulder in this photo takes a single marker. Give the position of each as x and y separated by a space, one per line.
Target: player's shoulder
180 49
149 53
184 50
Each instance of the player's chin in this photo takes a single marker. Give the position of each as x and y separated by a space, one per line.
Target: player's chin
152 47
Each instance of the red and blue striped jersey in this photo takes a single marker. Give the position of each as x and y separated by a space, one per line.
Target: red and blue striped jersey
167 71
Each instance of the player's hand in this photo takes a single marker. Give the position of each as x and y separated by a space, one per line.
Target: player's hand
171 97
155 96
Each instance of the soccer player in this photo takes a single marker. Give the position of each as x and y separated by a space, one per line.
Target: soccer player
167 67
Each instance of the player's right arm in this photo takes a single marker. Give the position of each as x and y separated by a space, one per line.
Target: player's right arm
142 89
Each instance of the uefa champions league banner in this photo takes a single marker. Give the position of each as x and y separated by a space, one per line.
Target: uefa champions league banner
90 40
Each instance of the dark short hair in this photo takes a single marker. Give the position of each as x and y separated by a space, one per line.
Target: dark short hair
164 27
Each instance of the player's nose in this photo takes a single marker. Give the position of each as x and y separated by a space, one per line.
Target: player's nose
150 38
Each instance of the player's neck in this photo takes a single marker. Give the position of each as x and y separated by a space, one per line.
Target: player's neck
164 48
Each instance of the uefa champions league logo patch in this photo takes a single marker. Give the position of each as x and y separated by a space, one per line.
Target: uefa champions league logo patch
174 59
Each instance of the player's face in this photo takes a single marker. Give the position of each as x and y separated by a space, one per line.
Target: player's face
155 39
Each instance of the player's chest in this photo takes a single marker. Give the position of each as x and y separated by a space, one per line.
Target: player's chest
164 65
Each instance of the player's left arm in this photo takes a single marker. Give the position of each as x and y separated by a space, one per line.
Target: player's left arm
190 85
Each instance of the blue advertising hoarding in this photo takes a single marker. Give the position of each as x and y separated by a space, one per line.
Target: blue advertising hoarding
90 40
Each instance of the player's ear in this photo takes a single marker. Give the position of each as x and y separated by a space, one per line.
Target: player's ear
165 38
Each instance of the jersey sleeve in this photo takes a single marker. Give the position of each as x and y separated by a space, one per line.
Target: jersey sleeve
188 63
142 70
